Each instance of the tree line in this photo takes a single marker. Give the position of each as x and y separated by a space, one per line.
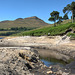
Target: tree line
16 29
55 14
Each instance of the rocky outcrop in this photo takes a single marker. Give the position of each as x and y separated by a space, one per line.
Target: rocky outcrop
25 61
14 61
21 61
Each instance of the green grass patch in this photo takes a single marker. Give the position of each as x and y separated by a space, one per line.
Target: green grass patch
72 36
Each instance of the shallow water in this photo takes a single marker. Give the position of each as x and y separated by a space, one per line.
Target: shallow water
50 61
1 38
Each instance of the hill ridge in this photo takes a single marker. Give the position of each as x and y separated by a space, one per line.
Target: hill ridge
33 21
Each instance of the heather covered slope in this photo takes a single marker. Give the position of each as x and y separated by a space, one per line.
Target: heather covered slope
30 22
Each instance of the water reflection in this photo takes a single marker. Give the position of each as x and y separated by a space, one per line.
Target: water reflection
51 61
48 63
1 38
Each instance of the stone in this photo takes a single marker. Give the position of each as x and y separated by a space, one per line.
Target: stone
49 72
50 67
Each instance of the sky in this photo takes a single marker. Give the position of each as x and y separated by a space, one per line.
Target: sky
13 9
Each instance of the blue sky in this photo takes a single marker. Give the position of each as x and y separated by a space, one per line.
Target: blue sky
13 9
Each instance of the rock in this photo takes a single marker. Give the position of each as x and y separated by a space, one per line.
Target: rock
65 73
49 72
59 72
18 62
50 67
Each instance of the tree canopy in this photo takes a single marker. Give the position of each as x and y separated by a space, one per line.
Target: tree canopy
65 17
68 8
54 16
60 19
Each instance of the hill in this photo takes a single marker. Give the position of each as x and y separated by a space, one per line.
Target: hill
30 22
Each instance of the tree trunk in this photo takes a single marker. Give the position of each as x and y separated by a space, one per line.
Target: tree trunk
54 24
72 16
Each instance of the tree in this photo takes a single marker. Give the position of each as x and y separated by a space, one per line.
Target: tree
51 19
68 8
65 17
60 19
54 16
74 14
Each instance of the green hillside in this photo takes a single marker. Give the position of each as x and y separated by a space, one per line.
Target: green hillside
61 29
30 22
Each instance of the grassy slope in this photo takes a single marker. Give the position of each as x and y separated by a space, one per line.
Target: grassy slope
58 30
66 21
